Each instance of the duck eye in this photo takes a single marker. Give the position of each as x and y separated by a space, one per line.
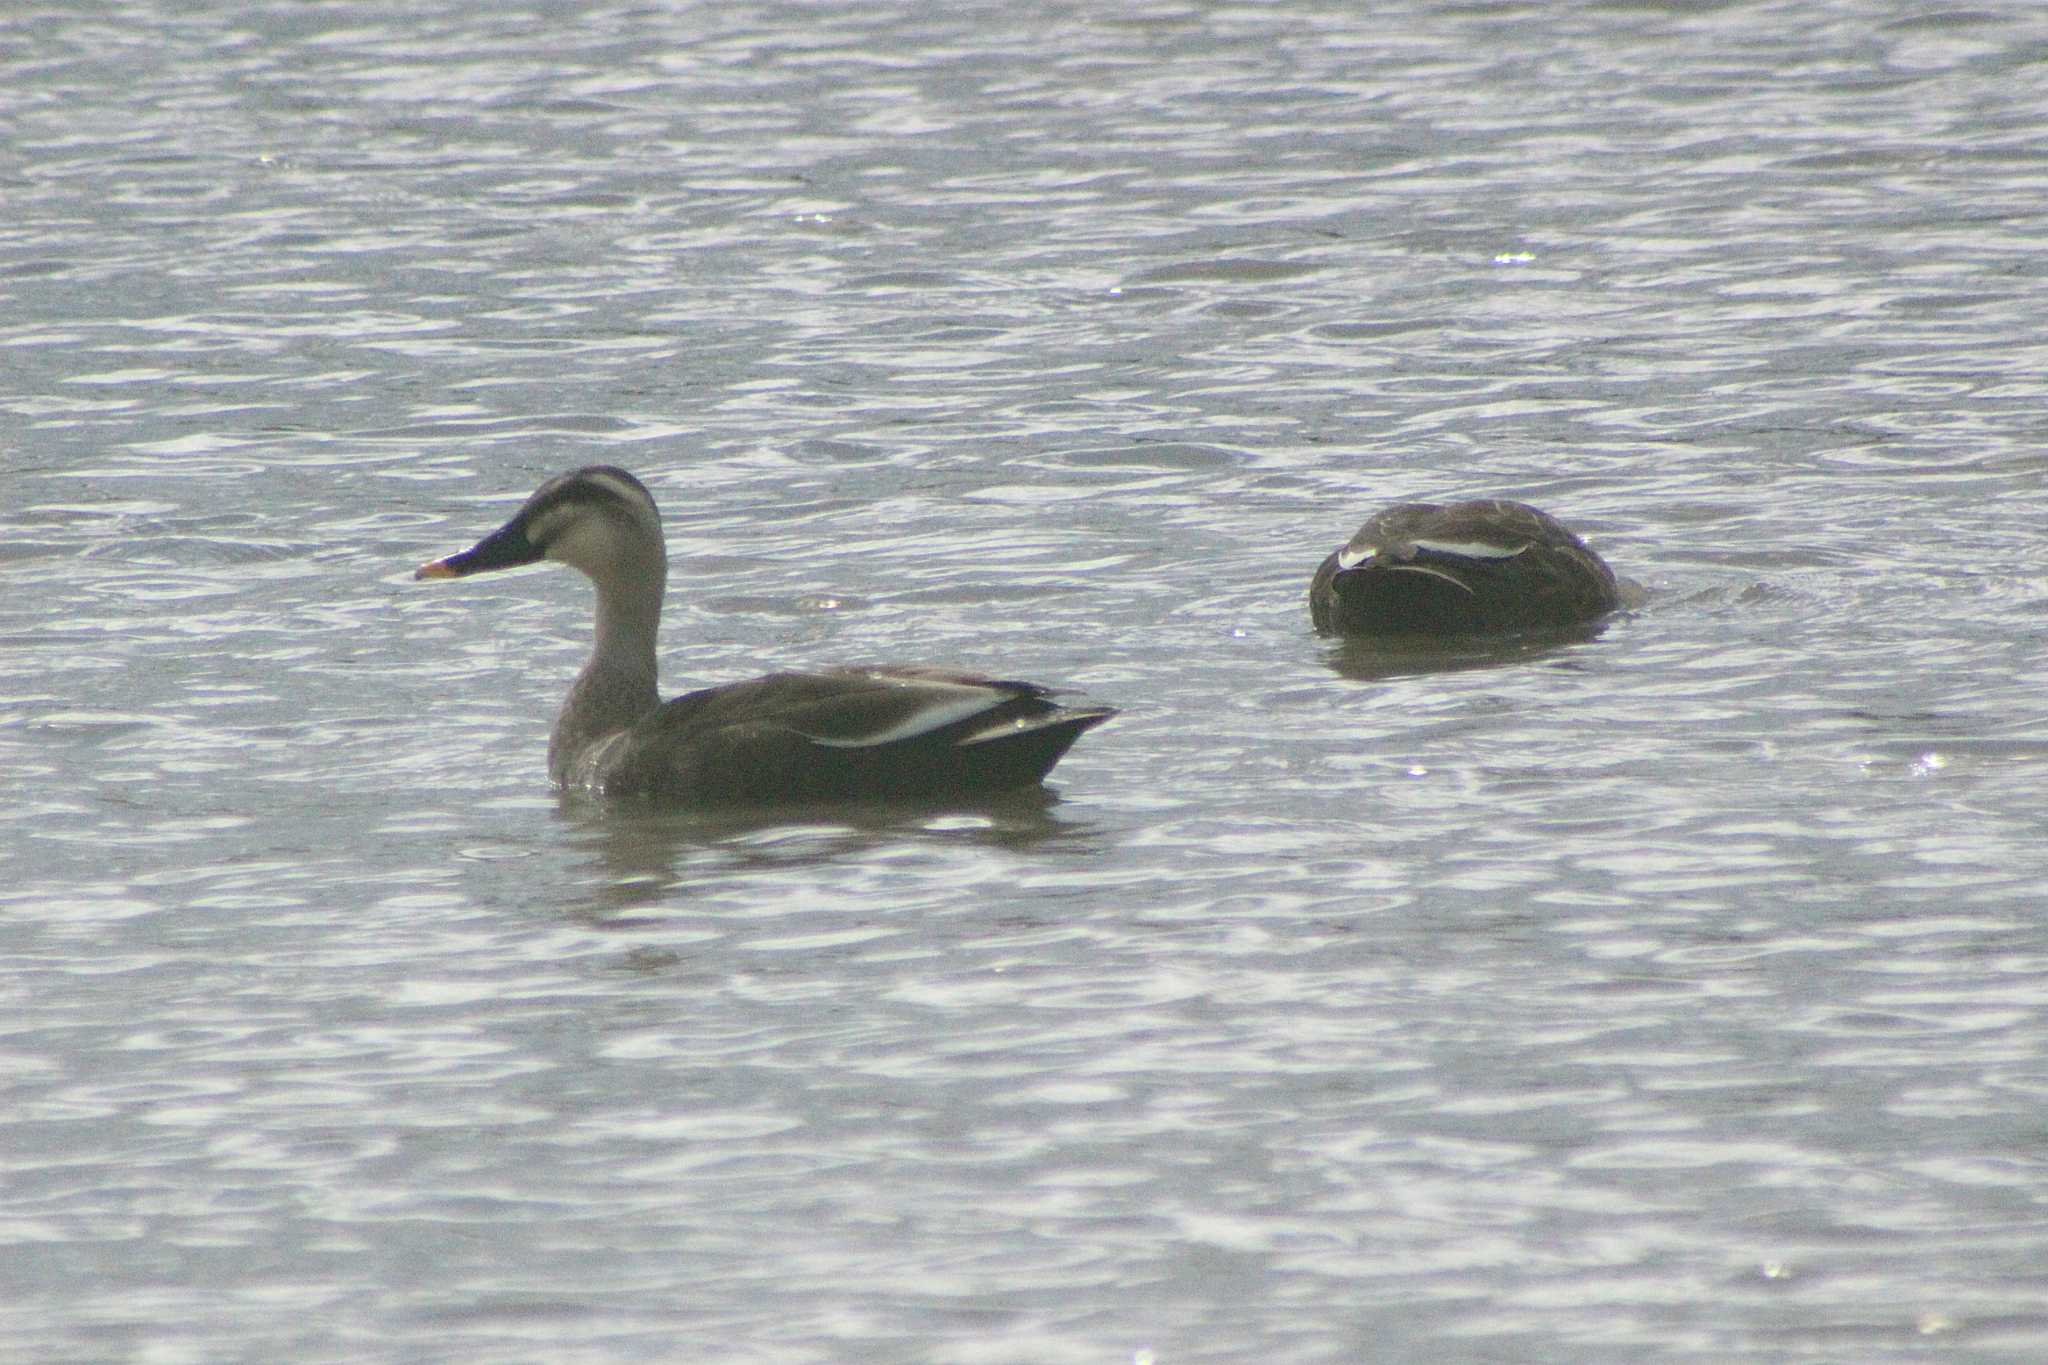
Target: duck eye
546 526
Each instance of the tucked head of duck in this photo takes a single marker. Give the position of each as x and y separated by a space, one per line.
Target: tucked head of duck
1462 568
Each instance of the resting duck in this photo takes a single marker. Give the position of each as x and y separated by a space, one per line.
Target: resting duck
836 734
1461 568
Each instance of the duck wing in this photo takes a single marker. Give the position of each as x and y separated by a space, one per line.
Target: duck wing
893 733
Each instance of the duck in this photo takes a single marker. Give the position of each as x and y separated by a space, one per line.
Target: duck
834 734
1488 566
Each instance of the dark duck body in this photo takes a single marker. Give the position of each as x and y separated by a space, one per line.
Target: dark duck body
1461 568
907 734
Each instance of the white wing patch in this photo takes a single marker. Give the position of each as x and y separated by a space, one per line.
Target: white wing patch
1470 549
933 715
1003 729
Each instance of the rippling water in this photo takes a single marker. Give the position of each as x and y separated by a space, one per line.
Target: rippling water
1678 993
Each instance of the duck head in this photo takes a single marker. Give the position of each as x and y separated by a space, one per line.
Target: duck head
598 519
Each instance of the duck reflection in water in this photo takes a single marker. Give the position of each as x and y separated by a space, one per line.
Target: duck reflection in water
649 858
1369 660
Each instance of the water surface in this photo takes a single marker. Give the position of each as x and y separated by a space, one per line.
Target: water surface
1676 993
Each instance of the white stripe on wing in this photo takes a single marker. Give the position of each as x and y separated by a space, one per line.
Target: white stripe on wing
1470 549
933 715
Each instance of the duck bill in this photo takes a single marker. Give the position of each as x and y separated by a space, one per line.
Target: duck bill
505 548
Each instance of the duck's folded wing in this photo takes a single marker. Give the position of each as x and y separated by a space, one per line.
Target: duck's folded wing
855 708
846 732
897 707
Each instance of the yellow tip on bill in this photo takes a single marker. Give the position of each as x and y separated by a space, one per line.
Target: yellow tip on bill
435 569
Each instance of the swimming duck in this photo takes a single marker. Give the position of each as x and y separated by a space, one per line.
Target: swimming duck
831 735
1461 568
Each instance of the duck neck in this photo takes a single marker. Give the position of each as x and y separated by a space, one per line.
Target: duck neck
617 687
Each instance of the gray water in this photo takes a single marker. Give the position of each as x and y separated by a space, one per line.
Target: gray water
1677 994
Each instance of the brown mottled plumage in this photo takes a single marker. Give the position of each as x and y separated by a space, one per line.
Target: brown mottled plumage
1460 568
832 735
